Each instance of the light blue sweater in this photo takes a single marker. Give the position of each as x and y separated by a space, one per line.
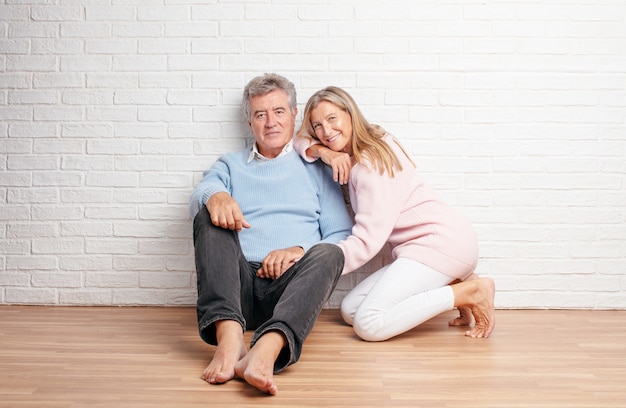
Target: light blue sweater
287 201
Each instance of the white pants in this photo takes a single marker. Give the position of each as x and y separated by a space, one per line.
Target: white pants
396 298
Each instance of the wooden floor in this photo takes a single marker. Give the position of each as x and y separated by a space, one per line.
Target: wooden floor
153 357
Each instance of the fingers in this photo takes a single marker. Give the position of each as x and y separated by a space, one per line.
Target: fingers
225 212
273 270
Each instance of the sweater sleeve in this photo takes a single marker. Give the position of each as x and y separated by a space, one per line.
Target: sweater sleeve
216 179
301 144
379 200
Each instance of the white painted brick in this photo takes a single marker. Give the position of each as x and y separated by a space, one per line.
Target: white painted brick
66 113
85 263
56 280
31 195
32 230
112 80
85 297
158 114
76 97
18 279
170 148
57 246
116 146
170 212
163 13
16 179
56 80
139 229
130 297
140 63
112 280
57 178
193 131
43 13
141 131
145 163
216 12
193 98
16 46
32 163
40 296
218 46
110 246
111 114
162 247
92 64
110 212
86 229
145 196
165 280
138 263
84 162
31 262
110 13
30 63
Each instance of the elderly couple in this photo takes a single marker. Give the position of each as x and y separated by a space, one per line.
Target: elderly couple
272 236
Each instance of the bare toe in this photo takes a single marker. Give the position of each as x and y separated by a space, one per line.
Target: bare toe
465 317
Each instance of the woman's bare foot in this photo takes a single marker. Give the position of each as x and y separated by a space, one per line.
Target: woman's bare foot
465 312
465 317
478 295
257 367
483 308
230 349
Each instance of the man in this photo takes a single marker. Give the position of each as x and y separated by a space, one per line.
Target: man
265 228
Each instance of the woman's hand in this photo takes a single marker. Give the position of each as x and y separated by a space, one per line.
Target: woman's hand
340 162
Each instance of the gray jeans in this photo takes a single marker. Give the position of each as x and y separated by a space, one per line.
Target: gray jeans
228 289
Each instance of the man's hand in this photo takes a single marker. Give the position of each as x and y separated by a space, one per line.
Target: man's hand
278 261
225 212
340 162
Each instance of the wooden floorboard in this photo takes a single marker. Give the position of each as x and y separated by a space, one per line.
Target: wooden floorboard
153 357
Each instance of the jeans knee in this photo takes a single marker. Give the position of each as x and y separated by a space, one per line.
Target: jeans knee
328 252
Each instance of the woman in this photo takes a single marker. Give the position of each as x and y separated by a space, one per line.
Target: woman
434 247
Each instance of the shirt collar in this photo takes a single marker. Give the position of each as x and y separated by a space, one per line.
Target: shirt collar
255 155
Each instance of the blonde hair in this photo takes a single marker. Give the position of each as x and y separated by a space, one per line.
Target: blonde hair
367 139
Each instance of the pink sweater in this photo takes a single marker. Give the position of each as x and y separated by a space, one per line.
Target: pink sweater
410 215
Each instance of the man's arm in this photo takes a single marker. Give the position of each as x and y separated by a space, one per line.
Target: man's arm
225 212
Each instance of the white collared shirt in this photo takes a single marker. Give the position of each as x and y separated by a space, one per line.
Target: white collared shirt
255 155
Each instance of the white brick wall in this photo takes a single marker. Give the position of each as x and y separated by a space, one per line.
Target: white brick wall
110 110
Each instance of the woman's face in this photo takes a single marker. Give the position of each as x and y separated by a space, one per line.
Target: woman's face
332 126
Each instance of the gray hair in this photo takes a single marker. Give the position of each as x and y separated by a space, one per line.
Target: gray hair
265 84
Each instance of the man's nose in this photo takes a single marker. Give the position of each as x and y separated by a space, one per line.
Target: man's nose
271 120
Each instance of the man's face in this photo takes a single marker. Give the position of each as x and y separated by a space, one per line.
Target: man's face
271 122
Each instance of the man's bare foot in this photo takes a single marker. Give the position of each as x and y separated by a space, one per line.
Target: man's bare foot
465 317
257 367
483 308
230 349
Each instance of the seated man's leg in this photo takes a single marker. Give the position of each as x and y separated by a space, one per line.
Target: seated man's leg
299 296
223 278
